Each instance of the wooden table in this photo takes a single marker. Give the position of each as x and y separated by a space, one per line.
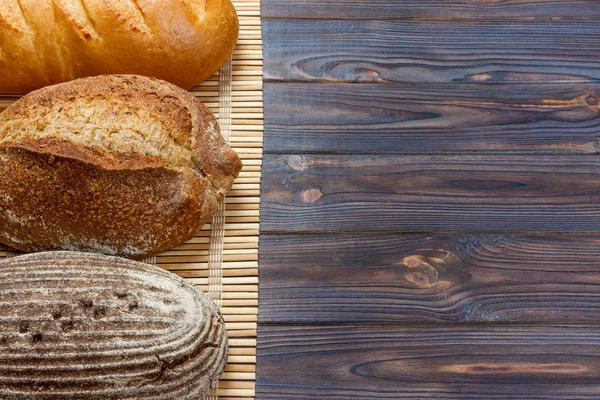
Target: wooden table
431 200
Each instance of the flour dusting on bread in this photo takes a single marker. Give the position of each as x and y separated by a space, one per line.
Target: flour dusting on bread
123 165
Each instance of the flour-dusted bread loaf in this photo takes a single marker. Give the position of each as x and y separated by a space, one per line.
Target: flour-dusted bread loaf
121 165
44 42
89 326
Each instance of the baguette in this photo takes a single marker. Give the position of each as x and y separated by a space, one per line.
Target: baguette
88 326
44 42
122 165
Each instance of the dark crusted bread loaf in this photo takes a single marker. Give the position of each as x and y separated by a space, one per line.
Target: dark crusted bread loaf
89 326
123 165
44 42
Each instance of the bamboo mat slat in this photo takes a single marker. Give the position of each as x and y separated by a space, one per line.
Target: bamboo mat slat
222 259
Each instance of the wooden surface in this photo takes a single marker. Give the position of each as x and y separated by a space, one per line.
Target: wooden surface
423 362
431 51
430 207
421 278
431 9
432 118
385 193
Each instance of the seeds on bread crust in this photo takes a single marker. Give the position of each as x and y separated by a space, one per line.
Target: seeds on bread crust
80 325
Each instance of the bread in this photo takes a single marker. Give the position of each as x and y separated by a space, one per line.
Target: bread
44 42
121 165
88 326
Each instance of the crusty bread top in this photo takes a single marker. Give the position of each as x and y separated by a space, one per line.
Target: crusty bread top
106 116
44 42
124 165
88 326
127 121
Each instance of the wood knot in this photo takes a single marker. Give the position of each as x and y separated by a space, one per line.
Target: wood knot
592 100
366 75
480 77
433 267
297 163
312 195
425 275
420 279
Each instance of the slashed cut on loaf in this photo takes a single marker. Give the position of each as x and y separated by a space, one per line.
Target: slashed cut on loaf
121 165
44 42
87 326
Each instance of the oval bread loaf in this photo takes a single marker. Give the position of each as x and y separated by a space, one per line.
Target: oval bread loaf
44 42
121 165
89 326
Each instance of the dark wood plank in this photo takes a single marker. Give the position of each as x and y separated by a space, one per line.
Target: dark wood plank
439 9
392 118
316 193
428 362
415 278
425 51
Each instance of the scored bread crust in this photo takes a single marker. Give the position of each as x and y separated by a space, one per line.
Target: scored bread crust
123 165
89 326
50 41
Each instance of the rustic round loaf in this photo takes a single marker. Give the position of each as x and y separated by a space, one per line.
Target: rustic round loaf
44 42
121 165
88 326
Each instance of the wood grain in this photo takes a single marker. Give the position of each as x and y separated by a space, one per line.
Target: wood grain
408 223
425 51
428 362
412 118
320 193
438 9
417 278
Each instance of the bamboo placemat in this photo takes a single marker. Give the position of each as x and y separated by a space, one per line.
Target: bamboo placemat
222 260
